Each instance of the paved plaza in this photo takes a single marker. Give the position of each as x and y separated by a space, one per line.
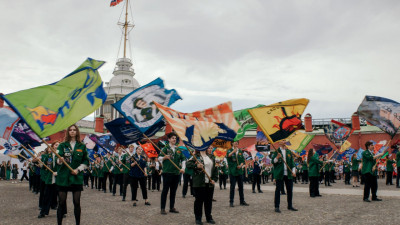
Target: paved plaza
340 204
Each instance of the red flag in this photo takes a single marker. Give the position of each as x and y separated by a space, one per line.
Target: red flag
148 148
115 2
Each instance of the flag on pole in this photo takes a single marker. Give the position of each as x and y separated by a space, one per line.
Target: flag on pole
245 121
149 149
322 149
115 2
345 146
8 119
138 107
199 129
381 112
337 132
278 121
51 108
298 141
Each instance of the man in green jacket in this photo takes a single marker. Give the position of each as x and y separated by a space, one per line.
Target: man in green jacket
389 171
236 164
170 173
398 167
283 174
368 170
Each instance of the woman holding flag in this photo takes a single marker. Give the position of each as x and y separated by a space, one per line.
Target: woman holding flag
73 152
203 187
354 169
314 165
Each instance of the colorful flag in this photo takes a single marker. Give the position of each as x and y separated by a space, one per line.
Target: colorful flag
125 133
322 149
337 132
262 143
115 2
8 119
346 145
149 149
219 143
138 106
54 107
25 136
104 142
245 121
381 112
198 130
278 121
359 153
220 153
298 141
185 151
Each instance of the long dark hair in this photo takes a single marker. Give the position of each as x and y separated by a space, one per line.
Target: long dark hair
78 134
353 156
309 155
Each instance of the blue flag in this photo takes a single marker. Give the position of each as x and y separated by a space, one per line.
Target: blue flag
138 107
125 133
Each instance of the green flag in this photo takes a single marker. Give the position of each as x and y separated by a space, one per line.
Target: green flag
51 108
245 121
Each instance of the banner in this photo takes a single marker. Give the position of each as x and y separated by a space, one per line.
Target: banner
148 148
381 112
278 121
218 143
337 132
322 149
262 143
138 106
104 142
51 108
125 133
220 153
8 119
359 153
199 129
346 145
245 121
298 141
25 136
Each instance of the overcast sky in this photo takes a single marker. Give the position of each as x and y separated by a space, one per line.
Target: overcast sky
248 52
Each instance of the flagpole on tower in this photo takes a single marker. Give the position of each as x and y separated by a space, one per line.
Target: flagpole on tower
126 27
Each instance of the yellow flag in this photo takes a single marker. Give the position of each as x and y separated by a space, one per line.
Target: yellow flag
346 145
278 121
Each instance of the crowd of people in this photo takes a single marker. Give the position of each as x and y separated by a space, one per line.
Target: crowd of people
53 174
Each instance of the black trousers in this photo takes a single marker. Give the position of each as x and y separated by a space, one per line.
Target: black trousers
398 176
256 180
170 183
389 178
233 181
30 182
24 176
289 188
327 178
118 179
370 185
304 177
108 176
332 176
127 181
156 181
321 176
101 183
149 181
222 181
36 183
203 196
134 186
347 177
41 195
91 180
86 180
48 201
314 186
187 181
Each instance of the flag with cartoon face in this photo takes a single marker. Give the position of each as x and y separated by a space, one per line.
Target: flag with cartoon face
337 132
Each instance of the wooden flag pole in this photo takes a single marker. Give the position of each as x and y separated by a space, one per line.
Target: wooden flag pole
161 151
337 149
23 156
33 156
105 163
114 164
55 152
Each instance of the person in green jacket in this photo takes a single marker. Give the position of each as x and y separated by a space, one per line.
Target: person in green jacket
74 153
346 171
236 166
170 173
222 173
389 170
304 176
283 174
8 170
202 185
369 171
314 165
355 164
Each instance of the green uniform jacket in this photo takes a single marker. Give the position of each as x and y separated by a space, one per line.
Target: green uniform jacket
367 162
314 166
305 166
177 157
398 159
355 164
99 169
222 169
126 162
332 168
48 160
199 176
107 165
389 165
116 163
43 170
74 158
346 167
235 160
280 165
